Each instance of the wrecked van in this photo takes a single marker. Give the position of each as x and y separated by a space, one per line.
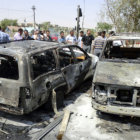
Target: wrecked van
31 70
116 81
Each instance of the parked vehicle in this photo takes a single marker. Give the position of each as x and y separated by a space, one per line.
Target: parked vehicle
54 37
30 70
116 81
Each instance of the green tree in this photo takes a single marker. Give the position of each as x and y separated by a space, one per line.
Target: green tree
8 22
103 26
93 31
45 25
130 12
124 14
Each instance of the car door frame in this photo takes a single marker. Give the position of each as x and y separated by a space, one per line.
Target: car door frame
74 68
66 68
48 86
84 66
11 86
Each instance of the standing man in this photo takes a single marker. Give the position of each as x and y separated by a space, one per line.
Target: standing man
103 35
4 38
111 33
48 37
87 41
37 35
98 44
71 38
62 39
18 35
80 38
44 33
26 35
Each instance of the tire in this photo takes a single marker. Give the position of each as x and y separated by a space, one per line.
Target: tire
59 99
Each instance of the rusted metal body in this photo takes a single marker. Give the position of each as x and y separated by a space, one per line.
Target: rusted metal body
116 81
30 70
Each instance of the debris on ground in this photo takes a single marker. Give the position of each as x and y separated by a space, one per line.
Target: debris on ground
84 124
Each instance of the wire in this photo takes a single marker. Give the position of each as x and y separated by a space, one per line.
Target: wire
15 10
84 6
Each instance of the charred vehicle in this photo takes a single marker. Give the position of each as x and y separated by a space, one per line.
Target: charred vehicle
116 81
31 70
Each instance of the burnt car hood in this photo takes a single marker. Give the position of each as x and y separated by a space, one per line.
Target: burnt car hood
127 74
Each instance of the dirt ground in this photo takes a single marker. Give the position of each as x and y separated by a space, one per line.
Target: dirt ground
85 123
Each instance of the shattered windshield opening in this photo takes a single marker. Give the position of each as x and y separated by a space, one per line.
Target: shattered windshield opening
42 63
9 67
122 50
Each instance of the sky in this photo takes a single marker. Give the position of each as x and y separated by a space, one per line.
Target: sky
60 12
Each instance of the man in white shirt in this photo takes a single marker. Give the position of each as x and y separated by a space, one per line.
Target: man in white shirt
80 39
36 35
71 38
18 35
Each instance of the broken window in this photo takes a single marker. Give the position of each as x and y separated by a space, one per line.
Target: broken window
8 67
124 49
43 63
80 55
65 57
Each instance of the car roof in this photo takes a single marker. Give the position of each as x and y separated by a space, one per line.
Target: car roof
125 36
27 46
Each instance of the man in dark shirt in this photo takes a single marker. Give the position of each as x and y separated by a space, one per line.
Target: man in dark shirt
87 41
48 37
26 35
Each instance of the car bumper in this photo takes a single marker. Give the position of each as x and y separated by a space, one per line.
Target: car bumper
118 110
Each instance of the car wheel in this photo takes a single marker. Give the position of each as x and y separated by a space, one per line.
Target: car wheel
59 99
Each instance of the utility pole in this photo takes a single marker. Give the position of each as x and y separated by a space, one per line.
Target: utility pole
79 14
83 17
78 20
33 8
25 23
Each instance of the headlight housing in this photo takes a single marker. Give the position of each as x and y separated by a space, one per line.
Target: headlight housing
27 93
100 94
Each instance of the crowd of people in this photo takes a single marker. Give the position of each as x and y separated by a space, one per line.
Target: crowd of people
86 41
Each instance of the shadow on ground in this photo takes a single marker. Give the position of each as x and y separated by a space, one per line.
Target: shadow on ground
114 123
18 126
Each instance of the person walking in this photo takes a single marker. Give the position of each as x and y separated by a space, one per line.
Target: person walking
98 44
18 35
71 38
87 41
4 38
80 38
62 38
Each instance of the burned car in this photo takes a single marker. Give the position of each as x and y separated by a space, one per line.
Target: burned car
116 81
31 70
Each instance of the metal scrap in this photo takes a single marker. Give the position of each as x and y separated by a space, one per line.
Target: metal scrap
47 129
